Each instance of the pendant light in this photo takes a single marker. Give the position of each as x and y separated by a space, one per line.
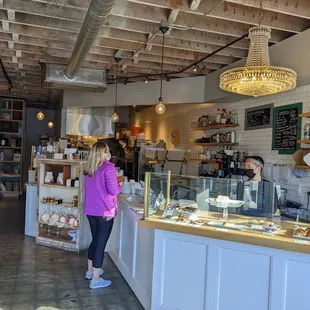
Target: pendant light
160 107
115 117
50 124
258 77
40 115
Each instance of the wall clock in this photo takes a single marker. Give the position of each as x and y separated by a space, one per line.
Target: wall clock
175 137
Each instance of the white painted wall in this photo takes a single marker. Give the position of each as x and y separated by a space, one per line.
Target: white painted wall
186 90
293 53
256 142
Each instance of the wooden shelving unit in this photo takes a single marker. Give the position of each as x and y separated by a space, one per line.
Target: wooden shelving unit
214 143
210 161
12 126
307 114
215 126
302 167
53 234
303 141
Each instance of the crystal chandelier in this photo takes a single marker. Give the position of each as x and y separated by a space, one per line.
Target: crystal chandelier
258 77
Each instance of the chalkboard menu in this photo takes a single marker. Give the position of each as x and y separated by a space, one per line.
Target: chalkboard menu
258 117
286 128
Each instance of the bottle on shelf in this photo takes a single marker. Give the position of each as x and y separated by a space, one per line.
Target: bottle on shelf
235 117
223 116
307 131
218 116
230 118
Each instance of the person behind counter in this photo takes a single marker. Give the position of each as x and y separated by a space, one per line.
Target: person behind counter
259 194
101 189
254 168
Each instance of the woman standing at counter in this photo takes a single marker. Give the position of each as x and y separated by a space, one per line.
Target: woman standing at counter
101 190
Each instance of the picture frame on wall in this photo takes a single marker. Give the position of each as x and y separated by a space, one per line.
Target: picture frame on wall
258 117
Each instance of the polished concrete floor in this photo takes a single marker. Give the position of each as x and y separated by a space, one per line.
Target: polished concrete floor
37 277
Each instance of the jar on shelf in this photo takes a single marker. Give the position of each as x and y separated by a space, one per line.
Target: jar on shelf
307 131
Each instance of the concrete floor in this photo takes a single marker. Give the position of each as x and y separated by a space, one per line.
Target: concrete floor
37 277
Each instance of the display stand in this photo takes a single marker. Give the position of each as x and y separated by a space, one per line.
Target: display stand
61 223
12 116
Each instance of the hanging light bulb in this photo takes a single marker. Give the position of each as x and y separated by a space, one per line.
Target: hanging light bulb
195 68
50 124
160 107
40 116
146 80
115 117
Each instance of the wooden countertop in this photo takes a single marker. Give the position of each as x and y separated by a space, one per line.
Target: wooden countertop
282 241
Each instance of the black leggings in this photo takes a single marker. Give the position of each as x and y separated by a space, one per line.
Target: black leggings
101 231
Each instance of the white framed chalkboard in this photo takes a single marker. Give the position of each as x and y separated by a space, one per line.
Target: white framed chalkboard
258 117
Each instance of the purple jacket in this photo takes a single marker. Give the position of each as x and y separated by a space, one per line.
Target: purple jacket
101 192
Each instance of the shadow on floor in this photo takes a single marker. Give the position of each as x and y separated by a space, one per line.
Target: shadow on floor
40 278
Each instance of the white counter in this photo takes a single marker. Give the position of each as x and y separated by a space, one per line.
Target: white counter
179 271
131 248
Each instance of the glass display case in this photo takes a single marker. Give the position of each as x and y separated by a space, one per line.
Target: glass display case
223 204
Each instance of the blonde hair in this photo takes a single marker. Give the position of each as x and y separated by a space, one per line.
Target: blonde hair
98 153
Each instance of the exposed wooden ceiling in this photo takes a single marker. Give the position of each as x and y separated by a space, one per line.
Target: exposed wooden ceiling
31 30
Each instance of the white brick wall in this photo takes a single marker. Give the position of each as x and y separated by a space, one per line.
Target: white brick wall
256 142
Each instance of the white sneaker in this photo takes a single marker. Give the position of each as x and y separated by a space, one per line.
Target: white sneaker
89 274
100 283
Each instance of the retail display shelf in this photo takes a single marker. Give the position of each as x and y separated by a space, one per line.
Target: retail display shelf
10 161
55 226
10 133
7 175
215 126
302 167
11 120
303 141
10 147
10 193
211 161
55 238
304 114
59 186
214 143
64 204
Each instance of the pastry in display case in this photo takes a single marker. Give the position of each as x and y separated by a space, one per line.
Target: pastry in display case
227 205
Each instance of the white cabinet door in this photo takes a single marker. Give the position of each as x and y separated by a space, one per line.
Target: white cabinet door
31 217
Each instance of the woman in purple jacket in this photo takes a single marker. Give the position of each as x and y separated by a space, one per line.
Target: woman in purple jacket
101 189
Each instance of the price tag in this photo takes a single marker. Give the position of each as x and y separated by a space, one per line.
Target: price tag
58 156
257 227
49 148
222 229
301 241
267 233
70 151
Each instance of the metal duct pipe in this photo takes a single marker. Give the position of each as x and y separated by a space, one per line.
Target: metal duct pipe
97 12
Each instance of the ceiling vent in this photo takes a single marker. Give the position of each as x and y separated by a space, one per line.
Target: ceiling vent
87 79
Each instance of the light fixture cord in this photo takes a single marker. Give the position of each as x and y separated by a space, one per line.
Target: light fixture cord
116 88
162 67
260 12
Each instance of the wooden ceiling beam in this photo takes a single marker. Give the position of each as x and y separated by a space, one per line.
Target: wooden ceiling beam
194 4
149 13
225 12
174 48
297 8
122 23
71 26
235 13
49 54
